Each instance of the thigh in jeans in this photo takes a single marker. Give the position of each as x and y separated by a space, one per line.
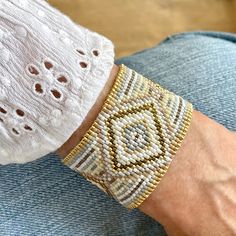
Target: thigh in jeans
199 66
46 198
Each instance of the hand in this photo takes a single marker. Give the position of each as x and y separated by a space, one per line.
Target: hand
197 196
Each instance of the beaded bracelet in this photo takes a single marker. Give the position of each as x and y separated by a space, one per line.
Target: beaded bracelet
130 145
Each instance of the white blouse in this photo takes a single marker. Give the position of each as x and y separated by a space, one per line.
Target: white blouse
51 73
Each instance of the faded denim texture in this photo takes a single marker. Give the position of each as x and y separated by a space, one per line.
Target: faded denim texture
46 198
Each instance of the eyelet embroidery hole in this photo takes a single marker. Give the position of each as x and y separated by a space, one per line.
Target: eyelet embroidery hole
15 131
96 53
83 64
3 110
28 128
1 120
48 65
56 93
38 88
80 52
62 79
20 113
33 70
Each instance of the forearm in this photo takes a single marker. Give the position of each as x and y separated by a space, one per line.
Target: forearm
180 194
155 204
57 87
165 203
196 194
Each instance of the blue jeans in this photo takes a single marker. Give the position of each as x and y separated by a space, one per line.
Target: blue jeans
46 198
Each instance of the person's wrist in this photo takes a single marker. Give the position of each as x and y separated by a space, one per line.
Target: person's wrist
189 194
90 118
125 74
159 205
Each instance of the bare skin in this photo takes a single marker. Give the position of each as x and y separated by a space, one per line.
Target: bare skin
197 196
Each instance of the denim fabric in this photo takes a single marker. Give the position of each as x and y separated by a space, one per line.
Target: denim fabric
46 198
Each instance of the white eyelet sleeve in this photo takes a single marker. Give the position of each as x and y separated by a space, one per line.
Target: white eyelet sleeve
51 73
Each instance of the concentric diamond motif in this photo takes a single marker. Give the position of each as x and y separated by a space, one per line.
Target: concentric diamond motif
135 136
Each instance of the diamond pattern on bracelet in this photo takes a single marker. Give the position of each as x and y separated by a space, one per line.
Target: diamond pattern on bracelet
132 142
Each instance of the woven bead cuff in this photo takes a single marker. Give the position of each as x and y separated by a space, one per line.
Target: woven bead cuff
130 145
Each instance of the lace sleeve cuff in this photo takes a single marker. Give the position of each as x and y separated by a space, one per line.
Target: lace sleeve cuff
51 73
